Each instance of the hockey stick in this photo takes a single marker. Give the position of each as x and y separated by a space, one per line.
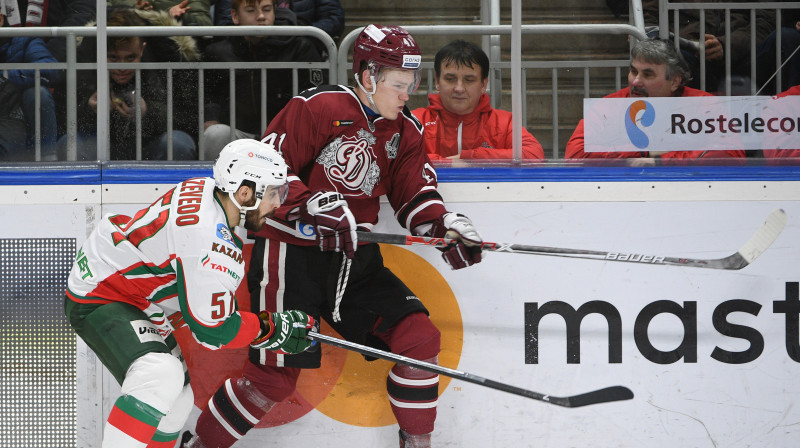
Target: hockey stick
608 394
755 246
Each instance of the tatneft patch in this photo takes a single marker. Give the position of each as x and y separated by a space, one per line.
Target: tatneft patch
146 331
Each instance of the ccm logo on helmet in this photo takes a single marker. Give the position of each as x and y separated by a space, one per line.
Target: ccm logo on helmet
248 173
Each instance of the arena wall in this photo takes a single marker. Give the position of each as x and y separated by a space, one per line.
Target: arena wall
711 355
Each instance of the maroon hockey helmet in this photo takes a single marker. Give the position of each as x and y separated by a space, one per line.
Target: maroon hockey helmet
386 46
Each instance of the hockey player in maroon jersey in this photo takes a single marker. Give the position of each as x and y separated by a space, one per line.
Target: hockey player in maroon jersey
176 260
345 148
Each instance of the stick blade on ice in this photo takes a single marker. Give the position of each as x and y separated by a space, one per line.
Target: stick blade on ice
606 395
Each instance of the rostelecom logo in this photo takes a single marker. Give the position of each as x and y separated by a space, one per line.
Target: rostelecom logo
640 114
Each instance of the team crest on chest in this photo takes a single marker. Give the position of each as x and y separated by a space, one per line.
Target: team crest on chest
349 161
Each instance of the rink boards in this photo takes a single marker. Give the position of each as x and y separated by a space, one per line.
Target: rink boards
711 355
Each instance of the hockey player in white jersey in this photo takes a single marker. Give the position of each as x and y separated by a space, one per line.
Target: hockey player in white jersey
177 260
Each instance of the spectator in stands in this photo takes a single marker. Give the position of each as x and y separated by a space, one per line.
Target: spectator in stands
18 99
222 13
715 40
55 13
460 122
789 155
657 70
327 15
186 12
152 98
790 56
249 122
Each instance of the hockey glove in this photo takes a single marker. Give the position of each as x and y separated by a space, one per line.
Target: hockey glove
466 248
333 222
286 332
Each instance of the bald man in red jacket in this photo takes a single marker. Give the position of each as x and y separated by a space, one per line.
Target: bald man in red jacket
657 70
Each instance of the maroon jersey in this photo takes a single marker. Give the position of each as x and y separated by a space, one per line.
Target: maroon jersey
330 144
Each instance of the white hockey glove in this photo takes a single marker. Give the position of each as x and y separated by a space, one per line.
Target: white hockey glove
466 250
159 319
333 222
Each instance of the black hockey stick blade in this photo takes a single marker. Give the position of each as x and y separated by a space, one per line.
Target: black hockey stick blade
752 249
606 395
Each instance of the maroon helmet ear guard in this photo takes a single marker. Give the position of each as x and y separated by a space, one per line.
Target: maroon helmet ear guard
386 46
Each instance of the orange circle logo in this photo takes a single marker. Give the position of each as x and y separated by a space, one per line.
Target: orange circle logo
349 389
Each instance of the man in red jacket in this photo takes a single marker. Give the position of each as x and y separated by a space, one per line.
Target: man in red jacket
657 70
460 123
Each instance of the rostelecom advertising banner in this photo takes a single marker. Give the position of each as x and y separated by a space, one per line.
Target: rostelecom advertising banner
705 123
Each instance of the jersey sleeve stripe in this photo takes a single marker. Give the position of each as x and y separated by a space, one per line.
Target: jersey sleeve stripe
424 199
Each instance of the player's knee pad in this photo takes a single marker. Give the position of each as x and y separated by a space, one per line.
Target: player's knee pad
409 372
174 420
414 336
156 379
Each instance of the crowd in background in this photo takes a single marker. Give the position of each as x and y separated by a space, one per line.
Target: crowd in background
475 132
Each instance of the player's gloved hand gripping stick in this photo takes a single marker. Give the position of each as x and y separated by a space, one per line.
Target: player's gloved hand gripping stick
285 332
464 242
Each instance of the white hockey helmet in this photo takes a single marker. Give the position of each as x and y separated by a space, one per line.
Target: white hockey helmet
252 160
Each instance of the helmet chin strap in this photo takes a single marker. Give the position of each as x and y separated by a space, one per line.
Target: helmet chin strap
242 209
369 94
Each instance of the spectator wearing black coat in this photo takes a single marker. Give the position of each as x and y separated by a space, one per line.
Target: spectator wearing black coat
153 97
249 122
790 56
327 15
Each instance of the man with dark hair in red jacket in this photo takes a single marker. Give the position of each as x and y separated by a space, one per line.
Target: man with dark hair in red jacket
460 123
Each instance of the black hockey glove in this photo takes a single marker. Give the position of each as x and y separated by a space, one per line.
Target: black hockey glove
333 222
466 248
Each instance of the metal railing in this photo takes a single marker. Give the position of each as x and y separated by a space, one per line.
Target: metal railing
667 9
72 66
337 65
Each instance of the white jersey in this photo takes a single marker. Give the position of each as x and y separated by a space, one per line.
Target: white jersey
178 253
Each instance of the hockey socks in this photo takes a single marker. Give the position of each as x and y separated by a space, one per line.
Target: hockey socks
234 409
413 394
131 424
163 440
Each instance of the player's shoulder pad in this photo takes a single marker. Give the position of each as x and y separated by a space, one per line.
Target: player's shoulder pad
310 93
409 116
